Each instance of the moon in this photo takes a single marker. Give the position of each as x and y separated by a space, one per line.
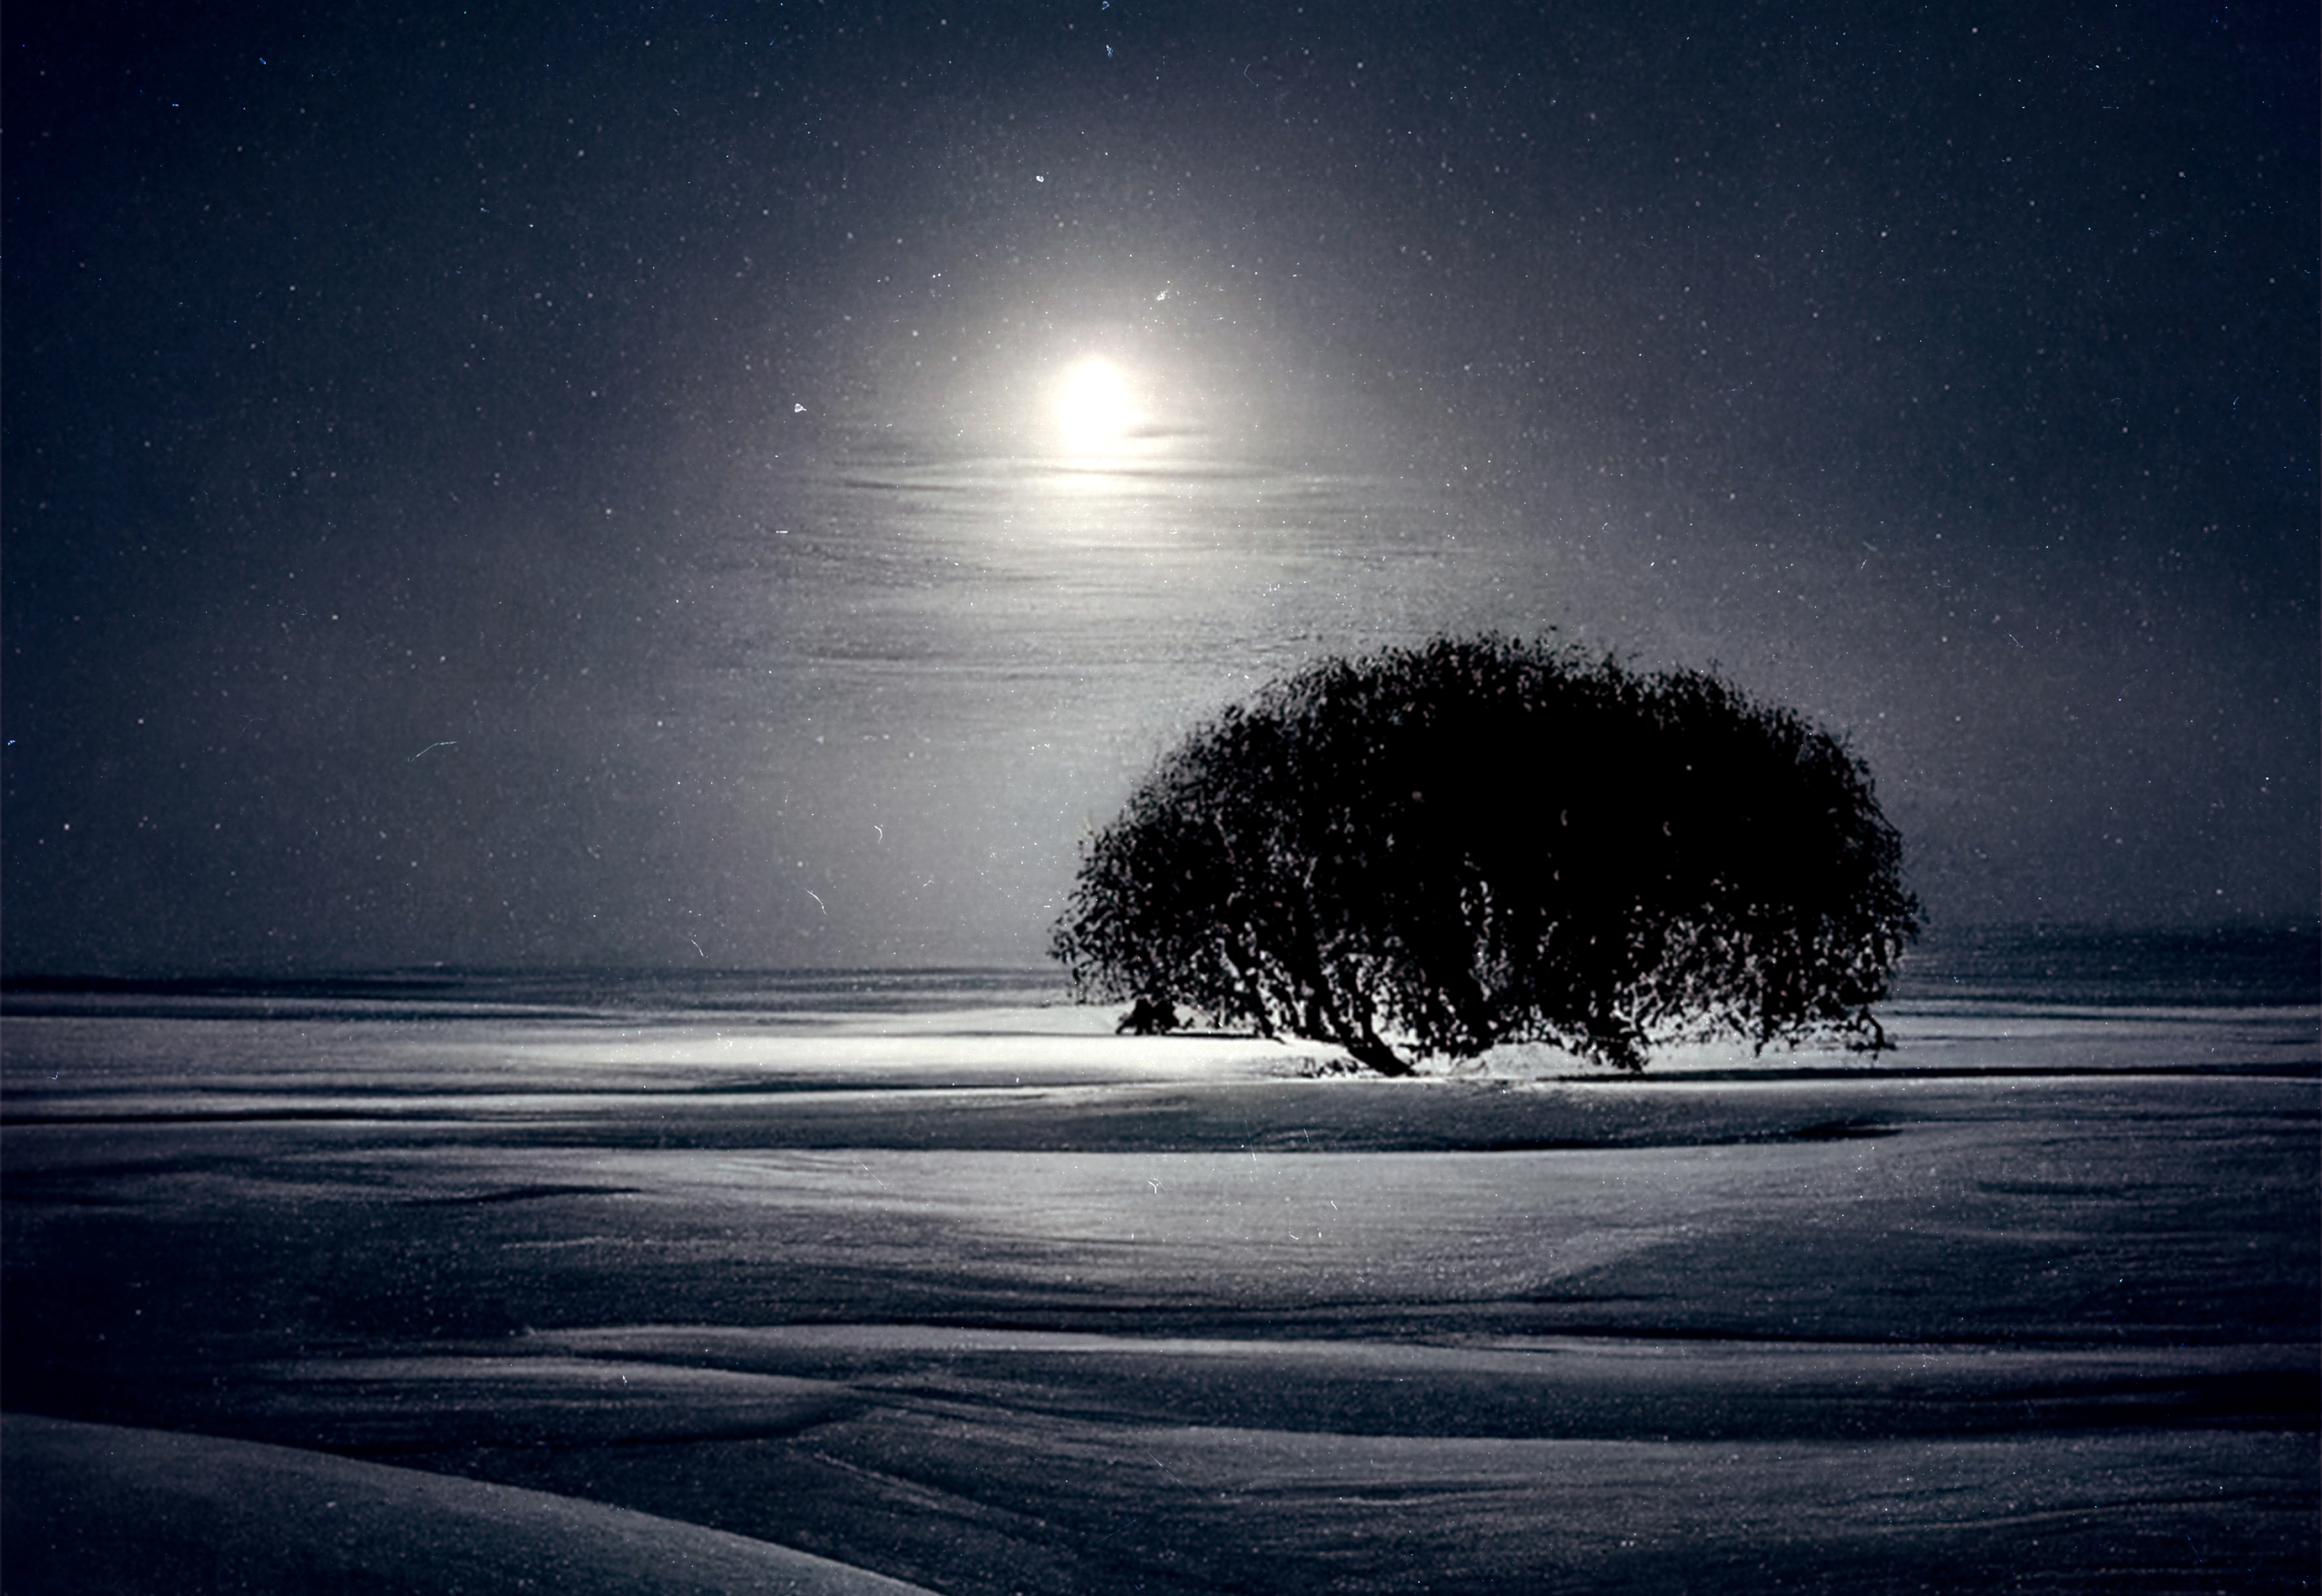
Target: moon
1093 406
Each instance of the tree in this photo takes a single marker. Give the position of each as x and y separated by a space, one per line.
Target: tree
1485 841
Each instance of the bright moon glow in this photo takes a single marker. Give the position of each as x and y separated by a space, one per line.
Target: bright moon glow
1092 404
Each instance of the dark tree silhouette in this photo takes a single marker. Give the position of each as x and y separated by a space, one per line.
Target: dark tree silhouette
1485 840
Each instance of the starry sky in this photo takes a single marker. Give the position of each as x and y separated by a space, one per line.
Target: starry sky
526 485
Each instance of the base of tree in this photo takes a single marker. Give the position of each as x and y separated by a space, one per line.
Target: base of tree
1375 1055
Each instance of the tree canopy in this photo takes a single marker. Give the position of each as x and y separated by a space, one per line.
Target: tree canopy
1486 841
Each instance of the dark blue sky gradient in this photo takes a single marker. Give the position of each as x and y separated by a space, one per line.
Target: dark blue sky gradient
543 486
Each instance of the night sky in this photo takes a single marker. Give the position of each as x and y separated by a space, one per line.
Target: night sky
535 485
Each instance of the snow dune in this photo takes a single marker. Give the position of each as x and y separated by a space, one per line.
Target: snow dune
991 1300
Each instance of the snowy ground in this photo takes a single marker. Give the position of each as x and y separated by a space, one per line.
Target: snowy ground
989 1300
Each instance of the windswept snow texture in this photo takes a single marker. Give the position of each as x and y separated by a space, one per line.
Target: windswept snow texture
985 1298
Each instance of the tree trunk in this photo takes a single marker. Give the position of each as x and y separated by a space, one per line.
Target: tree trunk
1369 1050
